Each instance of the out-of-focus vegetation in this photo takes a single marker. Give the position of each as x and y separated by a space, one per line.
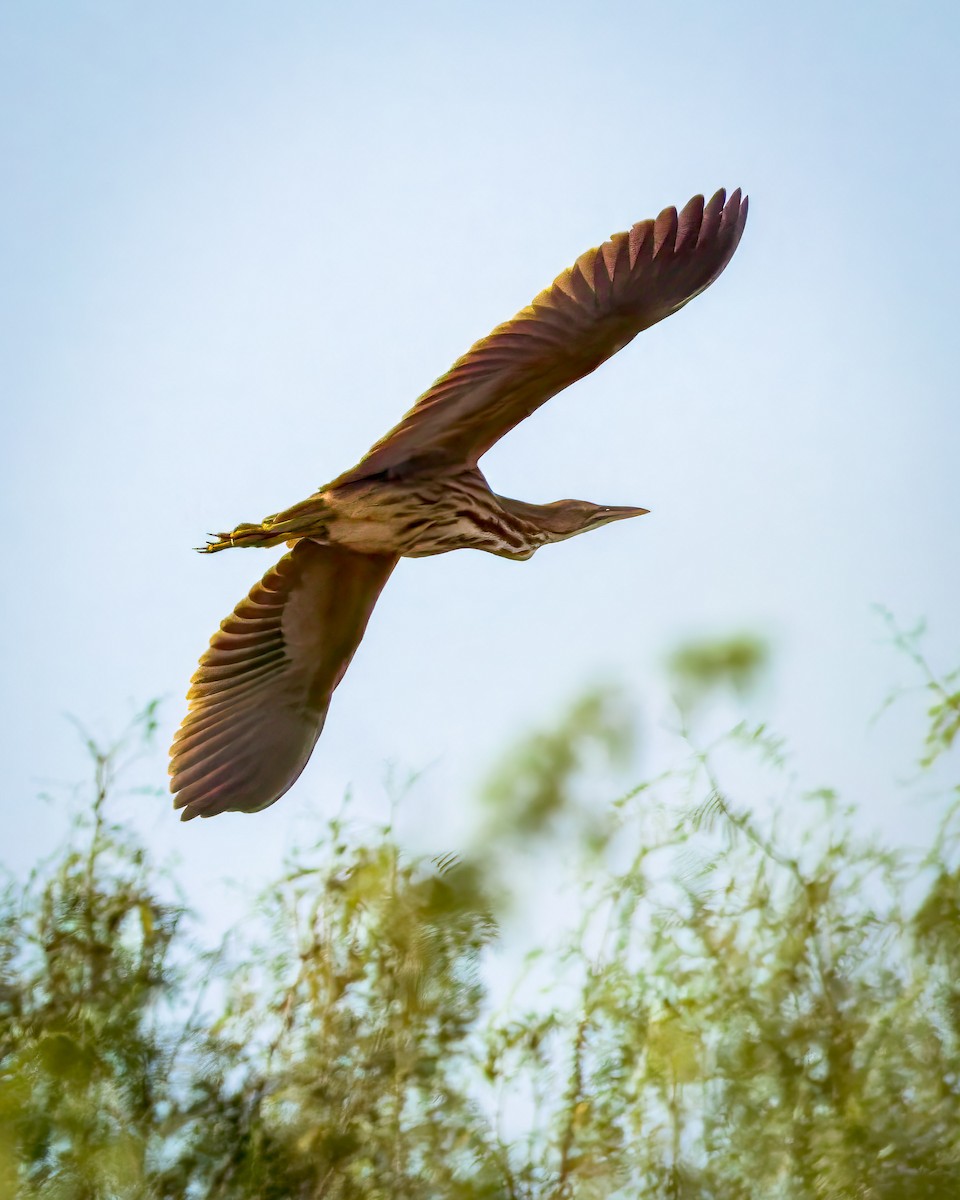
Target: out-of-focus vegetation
734 1006
698 667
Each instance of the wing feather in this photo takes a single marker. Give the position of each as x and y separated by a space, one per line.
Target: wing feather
590 312
259 697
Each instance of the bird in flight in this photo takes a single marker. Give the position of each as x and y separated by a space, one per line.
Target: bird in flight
259 697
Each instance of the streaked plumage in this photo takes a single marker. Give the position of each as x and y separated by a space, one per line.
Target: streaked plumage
258 700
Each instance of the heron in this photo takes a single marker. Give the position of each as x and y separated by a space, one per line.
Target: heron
259 697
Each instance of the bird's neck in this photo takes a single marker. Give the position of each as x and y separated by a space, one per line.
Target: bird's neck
544 518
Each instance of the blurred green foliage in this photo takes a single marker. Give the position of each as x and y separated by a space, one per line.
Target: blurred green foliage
942 691
537 789
728 1010
698 668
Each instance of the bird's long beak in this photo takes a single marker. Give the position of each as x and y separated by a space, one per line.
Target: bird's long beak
620 512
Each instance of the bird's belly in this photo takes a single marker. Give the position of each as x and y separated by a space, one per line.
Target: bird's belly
421 536
434 516
365 535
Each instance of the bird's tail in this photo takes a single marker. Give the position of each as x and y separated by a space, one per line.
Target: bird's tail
306 519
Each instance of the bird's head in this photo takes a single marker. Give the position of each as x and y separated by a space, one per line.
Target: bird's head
567 518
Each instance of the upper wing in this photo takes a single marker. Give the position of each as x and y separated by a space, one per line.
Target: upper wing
589 313
258 699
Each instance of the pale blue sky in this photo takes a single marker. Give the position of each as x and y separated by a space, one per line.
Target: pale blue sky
238 239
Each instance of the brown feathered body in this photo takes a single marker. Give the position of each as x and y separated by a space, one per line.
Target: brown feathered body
433 513
258 700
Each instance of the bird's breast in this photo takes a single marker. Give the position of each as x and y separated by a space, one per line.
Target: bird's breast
419 519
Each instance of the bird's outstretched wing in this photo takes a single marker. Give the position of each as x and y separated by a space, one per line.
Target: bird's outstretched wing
587 314
259 697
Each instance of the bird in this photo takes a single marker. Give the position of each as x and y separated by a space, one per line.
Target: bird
259 697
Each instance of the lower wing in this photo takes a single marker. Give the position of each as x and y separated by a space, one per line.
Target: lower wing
259 697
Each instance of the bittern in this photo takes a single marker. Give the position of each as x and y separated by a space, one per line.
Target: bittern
258 700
